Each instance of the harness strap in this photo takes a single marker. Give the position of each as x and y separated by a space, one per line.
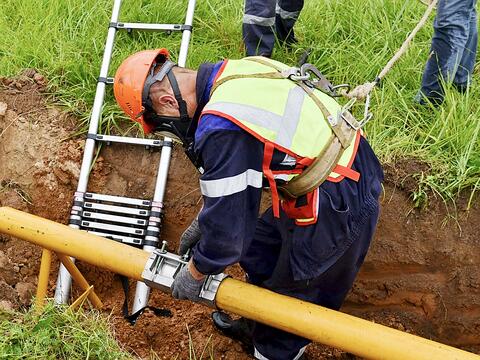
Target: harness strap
267 159
342 130
314 175
347 172
270 75
259 60
327 161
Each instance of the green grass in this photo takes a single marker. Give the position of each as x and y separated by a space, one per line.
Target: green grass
351 41
57 333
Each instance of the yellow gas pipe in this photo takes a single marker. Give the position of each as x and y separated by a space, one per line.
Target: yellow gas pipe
355 335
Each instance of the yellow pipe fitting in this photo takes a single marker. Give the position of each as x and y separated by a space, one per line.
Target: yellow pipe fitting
43 276
80 280
345 332
81 299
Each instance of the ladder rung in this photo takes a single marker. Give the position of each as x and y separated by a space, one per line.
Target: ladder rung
116 209
129 140
123 239
113 218
150 27
115 228
118 199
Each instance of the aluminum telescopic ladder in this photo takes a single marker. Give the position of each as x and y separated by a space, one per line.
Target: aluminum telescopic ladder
127 220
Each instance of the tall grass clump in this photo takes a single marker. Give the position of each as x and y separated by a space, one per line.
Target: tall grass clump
351 40
57 334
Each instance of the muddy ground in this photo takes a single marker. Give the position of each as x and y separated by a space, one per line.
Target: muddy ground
421 274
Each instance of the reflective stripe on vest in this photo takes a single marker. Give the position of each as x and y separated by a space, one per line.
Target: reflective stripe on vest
283 127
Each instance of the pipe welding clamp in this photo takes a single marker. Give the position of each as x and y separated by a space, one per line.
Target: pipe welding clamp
162 267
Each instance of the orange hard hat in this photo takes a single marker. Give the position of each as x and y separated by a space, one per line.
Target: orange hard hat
129 83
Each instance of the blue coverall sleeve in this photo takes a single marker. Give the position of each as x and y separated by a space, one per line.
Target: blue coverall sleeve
231 188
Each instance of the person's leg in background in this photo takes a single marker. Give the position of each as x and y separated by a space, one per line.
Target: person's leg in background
449 43
286 14
258 27
463 77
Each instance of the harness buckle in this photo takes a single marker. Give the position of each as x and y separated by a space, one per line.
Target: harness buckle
293 73
355 125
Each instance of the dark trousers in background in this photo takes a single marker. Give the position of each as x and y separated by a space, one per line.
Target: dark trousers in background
453 50
265 20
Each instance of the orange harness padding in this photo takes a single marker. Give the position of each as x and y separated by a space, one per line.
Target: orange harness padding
268 173
303 209
307 213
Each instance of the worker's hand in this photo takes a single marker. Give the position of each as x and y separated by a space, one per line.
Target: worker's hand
189 237
188 283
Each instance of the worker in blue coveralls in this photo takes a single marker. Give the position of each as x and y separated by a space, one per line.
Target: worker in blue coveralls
250 124
265 21
453 50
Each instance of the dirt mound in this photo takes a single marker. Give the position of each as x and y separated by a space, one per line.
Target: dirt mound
421 274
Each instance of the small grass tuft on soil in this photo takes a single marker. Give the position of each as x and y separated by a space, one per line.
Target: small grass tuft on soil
57 333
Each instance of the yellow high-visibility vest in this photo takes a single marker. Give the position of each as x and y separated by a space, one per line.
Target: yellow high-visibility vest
252 93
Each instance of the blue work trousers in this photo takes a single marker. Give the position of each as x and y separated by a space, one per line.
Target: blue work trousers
329 289
453 50
266 19
316 263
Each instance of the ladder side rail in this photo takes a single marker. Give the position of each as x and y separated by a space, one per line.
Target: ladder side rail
182 56
98 102
142 291
64 280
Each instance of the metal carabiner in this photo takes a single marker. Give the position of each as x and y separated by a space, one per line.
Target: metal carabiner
357 124
367 115
300 77
293 73
317 79
341 86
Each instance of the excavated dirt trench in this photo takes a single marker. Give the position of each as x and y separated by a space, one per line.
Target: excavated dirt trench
421 274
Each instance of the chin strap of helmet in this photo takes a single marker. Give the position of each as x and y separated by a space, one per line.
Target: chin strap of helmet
179 128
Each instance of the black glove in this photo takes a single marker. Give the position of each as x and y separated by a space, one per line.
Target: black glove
189 237
185 286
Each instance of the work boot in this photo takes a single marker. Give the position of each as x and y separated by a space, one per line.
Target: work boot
240 330
423 100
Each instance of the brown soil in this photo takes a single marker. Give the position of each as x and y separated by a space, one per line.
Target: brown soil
421 274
